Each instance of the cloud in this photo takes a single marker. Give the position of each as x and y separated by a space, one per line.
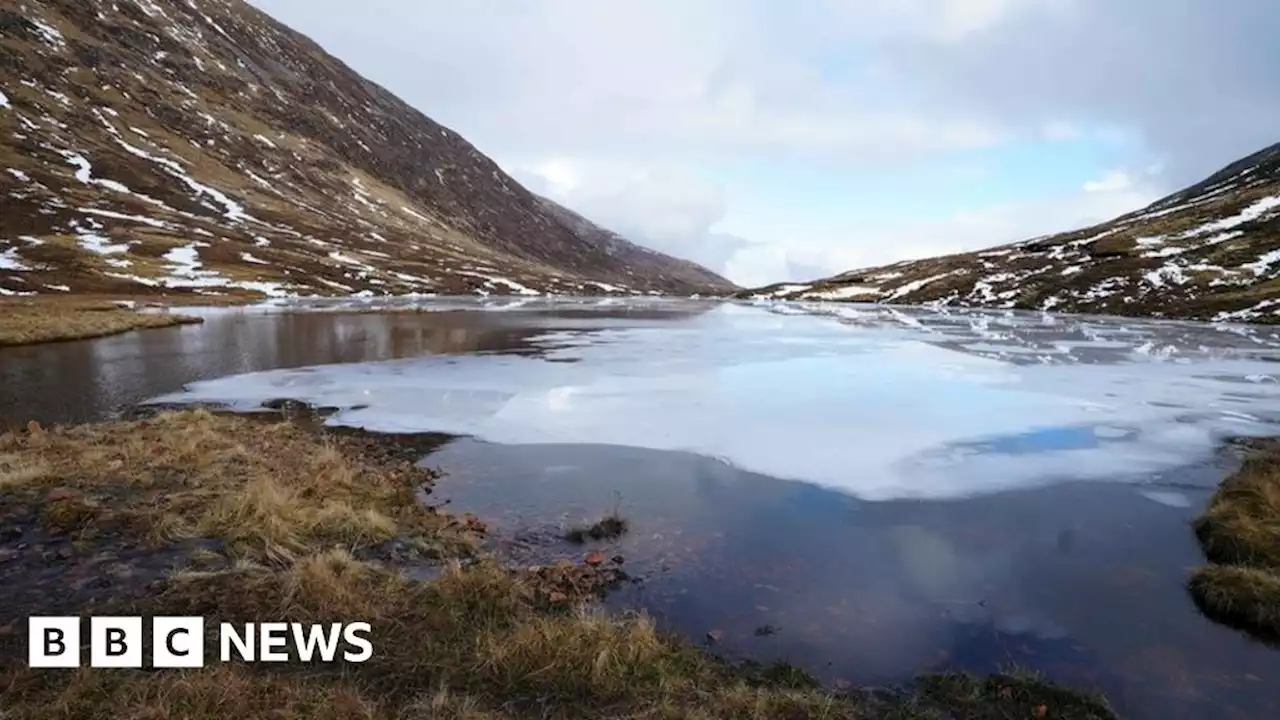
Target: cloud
811 252
642 114
667 208
1113 181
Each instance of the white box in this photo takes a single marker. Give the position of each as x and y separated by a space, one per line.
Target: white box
115 642
177 642
59 634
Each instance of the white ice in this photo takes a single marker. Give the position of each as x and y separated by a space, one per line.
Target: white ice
877 402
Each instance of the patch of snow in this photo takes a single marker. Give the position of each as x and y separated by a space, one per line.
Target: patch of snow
251 259
84 173
4 101
100 244
258 180
607 287
9 260
1170 272
1263 264
260 241
20 175
847 292
232 210
908 288
48 33
121 216
1253 212
61 288
790 289
264 140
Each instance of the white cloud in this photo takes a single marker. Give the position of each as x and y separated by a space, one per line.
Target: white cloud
1113 181
832 249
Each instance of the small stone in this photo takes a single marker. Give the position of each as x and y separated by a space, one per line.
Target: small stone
594 558
61 493
557 597
34 428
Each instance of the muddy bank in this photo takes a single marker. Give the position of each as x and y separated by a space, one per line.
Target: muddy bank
238 518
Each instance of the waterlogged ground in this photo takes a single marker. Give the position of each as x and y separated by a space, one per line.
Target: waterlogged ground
868 492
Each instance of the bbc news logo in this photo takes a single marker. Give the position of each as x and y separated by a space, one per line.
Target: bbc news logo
179 642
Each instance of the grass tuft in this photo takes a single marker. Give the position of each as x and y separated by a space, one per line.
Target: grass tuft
1240 534
32 322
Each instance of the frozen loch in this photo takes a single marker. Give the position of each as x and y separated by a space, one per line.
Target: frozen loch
874 402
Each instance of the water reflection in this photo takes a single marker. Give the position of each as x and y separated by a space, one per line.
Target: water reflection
1080 580
88 380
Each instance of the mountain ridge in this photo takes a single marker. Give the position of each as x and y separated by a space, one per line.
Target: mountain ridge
200 146
1210 251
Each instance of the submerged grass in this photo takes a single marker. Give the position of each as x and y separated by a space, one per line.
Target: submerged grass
30 322
1240 535
610 527
479 642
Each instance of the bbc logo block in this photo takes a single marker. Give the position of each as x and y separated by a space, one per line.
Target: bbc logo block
179 642
115 642
54 642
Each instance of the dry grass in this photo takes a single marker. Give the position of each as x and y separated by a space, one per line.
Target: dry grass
1240 534
480 642
472 645
28 322
269 492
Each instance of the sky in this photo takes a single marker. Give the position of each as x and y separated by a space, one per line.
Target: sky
785 141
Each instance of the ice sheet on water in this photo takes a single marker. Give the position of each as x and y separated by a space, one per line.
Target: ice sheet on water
950 404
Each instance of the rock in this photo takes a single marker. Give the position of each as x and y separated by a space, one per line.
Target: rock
34 428
618 560
61 493
557 597
715 636
594 558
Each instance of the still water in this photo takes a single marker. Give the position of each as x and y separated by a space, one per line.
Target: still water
867 492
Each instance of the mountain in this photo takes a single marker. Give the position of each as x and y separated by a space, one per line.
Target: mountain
1211 251
198 146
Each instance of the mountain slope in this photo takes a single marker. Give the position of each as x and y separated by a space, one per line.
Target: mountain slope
200 146
1211 251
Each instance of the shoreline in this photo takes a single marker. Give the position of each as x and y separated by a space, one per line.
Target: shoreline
340 516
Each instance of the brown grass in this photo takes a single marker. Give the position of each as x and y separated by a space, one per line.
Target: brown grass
270 492
1240 535
31 322
480 642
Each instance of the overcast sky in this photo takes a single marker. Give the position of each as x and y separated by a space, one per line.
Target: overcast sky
778 140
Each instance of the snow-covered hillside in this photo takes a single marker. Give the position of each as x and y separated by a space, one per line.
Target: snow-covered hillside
1211 251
